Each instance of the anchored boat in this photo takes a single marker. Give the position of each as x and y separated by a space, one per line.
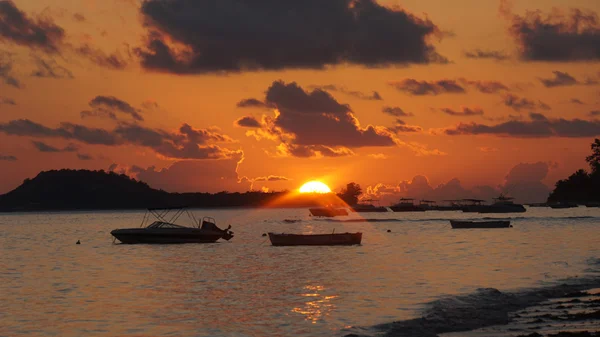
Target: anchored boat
166 231
333 239
480 224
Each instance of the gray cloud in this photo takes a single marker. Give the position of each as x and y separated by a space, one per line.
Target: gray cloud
7 158
6 65
97 56
247 122
109 106
396 111
18 28
374 96
556 37
7 101
576 101
43 147
595 113
521 103
50 69
497 55
465 111
420 88
79 17
538 127
239 35
486 87
83 156
252 103
561 79
187 143
401 126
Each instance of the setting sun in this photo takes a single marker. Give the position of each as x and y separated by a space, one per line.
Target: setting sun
315 187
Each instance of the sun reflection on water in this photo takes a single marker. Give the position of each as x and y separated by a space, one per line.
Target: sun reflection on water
318 306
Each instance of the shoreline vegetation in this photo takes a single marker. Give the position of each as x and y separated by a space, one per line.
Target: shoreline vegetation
70 190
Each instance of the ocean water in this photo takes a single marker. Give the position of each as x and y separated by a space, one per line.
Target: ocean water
50 286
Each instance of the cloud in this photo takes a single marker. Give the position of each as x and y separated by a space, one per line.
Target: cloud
524 182
401 126
595 113
576 101
6 65
83 156
374 96
396 111
50 69
109 106
486 87
43 147
79 17
521 103
538 127
420 88
247 122
564 79
97 56
557 37
7 101
195 176
465 111
37 33
214 36
186 143
497 55
252 103
7 158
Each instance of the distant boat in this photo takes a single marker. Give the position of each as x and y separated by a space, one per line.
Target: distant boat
502 204
333 239
407 205
480 224
561 205
165 231
328 211
362 207
542 204
592 204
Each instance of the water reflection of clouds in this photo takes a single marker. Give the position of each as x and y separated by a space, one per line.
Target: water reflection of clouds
318 306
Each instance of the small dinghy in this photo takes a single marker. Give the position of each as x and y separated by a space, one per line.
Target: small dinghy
165 231
333 239
480 224
328 211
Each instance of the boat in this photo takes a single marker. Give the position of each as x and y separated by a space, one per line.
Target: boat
502 204
327 211
407 205
333 239
480 224
561 205
166 231
367 208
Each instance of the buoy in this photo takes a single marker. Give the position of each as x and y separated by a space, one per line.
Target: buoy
389 230
264 234
77 243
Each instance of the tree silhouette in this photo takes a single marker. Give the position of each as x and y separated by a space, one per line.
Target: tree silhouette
594 158
350 193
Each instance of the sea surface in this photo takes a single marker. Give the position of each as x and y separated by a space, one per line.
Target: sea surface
49 286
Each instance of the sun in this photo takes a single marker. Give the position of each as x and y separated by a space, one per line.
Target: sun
315 187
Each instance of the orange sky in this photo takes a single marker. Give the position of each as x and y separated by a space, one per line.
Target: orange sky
206 99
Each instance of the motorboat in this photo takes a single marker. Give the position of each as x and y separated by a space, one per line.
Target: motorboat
502 204
561 205
328 211
462 224
367 208
407 205
166 231
333 239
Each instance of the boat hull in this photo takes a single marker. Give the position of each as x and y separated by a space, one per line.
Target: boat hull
166 236
339 239
328 212
480 224
369 209
409 208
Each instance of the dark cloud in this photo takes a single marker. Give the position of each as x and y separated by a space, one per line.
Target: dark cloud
247 122
486 87
111 61
109 106
556 37
7 158
595 113
37 33
195 176
374 96
49 68
420 88
252 103
521 103
6 65
187 143
538 127
524 182
43 147
307 151
401 126
560 79
7 101
465 111
576 101
497 55
83 156
396 111
240 35
79 17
